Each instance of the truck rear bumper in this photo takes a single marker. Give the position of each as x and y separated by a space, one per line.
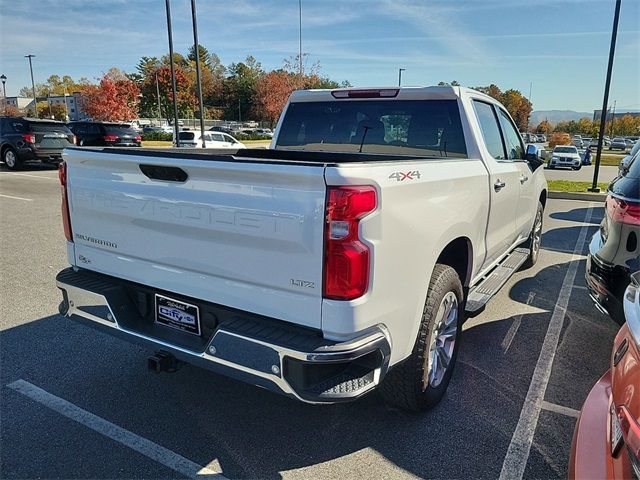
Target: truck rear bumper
281 357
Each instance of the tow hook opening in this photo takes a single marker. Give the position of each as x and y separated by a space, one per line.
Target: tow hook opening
163 361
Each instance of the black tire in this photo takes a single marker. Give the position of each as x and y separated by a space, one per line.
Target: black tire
551 167
577 168
532 244
11 159
407 385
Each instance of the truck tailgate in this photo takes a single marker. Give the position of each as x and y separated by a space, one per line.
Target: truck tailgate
247 235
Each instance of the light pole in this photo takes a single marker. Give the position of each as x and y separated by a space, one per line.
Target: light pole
300 36
158 93
400 70
173 75
613 119
197 47
66 108
3 77
33 85
605 100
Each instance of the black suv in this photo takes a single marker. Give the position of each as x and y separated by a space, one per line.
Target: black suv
105 134
614 251
24 140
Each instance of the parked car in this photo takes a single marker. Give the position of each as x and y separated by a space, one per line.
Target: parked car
104 134
606 440
614 251
630 143
541 138
626 161
153 129
310 268
220 129
618 143
193 139
593 144
264 131
26 140
577 141
565 156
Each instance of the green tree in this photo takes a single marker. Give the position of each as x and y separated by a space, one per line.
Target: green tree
205 57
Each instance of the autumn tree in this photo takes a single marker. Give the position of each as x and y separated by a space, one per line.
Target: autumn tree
57 111
115 98
273 90
516 104
544 127
12 111
55 85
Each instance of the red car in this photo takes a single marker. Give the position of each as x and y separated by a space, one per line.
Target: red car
606 441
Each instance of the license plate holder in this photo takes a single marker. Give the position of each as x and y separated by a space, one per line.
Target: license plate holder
616 433
177 314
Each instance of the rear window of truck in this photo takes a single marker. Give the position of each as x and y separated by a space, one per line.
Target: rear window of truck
398 127
186 135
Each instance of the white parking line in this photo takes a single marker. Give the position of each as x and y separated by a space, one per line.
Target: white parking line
517 456
166 457
553 407
28 175
17 198
513 329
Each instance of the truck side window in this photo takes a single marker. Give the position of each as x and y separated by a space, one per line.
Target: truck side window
512 139
490 129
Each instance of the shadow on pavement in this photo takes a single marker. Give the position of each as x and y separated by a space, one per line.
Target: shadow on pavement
253 433
579 215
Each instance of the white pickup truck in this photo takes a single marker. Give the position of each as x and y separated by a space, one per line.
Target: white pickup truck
343 258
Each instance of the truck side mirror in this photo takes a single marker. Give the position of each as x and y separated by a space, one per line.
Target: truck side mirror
532 156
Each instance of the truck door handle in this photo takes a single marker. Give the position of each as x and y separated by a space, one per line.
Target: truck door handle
499 185
523 179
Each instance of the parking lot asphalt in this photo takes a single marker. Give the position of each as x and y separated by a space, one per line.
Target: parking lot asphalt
585 174
79 404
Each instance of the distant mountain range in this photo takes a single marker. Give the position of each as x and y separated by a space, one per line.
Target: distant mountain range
555 116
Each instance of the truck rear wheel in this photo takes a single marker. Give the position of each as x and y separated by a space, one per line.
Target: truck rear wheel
420 382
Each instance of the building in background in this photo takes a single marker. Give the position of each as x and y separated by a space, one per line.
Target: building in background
71 102
618 114
21 103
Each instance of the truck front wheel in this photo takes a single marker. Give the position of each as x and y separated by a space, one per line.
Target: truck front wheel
420 382
535 237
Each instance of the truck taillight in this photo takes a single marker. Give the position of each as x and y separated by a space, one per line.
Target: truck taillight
346 257
66 220
29 137
622 211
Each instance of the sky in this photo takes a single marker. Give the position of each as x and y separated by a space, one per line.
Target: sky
556 48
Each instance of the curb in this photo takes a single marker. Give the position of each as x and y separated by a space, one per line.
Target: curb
589 197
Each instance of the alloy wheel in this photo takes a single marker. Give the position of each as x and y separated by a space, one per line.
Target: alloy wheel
10 158
441 341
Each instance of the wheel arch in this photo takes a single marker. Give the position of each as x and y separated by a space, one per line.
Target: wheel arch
543 198
458 254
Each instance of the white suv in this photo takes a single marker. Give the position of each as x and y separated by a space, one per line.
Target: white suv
193 138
